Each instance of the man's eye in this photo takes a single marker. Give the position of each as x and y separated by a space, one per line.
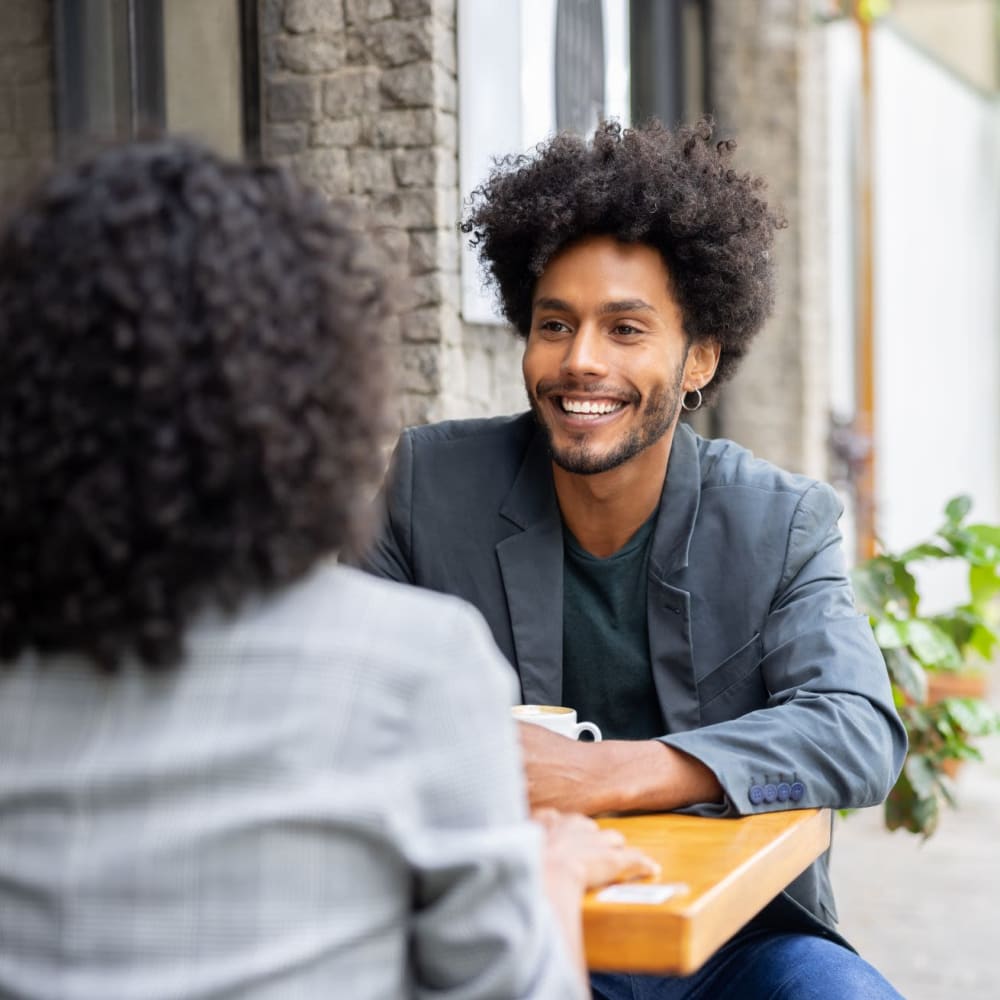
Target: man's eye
554 326
624 330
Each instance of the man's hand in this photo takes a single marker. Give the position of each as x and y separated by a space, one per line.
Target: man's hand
612 776
560 772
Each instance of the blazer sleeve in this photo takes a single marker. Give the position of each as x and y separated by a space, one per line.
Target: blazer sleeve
391 553
482 925
829 734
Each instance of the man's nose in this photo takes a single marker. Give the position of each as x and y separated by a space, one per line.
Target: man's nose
585 353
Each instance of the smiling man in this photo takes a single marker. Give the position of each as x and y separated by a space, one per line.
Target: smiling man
688 598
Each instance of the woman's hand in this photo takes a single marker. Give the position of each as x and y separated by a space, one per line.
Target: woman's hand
591 856
579 855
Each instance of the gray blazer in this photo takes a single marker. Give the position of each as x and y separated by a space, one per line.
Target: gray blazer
763 667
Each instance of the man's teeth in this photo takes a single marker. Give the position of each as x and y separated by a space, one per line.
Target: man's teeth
591 406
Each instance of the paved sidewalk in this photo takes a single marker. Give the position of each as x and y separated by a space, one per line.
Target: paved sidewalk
927 915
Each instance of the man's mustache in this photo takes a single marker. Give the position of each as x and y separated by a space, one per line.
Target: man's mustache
554 387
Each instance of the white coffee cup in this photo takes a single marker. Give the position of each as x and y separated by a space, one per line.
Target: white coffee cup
557 718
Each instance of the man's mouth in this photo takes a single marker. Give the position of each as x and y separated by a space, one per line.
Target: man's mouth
590 407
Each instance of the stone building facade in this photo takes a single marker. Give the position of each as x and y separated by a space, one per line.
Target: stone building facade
360 97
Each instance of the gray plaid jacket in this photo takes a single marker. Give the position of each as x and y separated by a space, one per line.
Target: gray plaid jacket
323 800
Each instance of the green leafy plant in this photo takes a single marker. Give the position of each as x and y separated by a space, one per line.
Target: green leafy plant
916 647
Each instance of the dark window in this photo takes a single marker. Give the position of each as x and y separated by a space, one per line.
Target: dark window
579 64
124 66
668 43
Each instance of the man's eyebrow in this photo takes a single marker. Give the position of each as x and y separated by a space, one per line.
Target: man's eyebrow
546 302
624 305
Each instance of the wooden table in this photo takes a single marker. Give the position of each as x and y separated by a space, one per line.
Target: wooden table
731 867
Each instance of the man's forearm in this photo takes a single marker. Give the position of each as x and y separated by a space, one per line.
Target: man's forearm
649 776
613 776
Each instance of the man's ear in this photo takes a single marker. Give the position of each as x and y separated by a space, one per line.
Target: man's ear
702 360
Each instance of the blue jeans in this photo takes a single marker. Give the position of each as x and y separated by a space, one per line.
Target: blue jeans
760 965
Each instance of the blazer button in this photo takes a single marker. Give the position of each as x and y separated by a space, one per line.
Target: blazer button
784 790
797 790
756 794
770 793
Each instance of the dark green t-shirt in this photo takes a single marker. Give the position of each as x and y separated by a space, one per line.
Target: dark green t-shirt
607 676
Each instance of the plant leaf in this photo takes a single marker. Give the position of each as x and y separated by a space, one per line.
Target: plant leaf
959 624
984 640
899 806
985 534
907 674
881 582
890 633
922 775
984 585
972 716
947 792
977 544
931 645
904 809
956 508
925 550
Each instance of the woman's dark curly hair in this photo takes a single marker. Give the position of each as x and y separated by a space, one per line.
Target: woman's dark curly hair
674 191
191 396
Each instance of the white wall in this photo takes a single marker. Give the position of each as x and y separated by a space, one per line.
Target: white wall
937 265
937 295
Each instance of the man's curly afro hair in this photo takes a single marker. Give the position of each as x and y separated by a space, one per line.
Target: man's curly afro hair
191 396
674 191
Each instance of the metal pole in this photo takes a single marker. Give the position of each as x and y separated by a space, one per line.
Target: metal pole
865 415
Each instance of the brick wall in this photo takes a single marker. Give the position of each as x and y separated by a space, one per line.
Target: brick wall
27 135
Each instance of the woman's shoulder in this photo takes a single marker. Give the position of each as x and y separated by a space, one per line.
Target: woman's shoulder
403 629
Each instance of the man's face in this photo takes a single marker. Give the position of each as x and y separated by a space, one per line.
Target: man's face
607 360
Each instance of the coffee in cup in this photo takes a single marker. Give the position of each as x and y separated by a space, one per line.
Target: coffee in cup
557 718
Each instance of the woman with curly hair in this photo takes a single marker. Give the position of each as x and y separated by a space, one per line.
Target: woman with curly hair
231 767
690 599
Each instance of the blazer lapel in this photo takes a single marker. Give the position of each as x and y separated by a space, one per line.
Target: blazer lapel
668 607
531 565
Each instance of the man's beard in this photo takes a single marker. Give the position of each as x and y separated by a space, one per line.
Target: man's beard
656 418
